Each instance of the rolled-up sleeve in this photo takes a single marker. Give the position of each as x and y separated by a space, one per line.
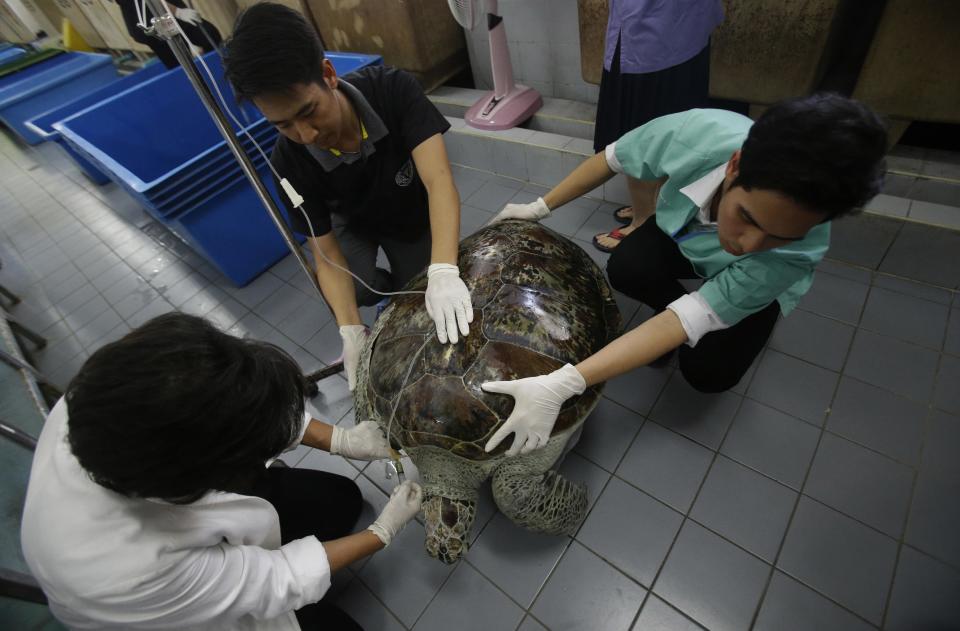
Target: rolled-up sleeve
611 155
697 316
749 285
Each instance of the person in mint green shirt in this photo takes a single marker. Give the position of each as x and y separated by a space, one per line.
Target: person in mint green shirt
744 206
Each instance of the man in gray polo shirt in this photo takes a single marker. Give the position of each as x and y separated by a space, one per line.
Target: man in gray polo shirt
366 153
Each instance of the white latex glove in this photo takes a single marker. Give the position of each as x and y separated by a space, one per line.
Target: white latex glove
448 302
534 211
536 407
364 441
403 505
353 336
187 15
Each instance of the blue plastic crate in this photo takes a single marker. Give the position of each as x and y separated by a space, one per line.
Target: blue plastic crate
35 93
158 142
185 198
147 136
345 63
33 69
42 125
233 230
11 53
177 152
214 162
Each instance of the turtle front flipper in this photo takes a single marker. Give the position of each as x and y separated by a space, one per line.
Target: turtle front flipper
536 497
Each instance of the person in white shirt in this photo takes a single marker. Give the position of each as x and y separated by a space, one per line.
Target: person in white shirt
151 504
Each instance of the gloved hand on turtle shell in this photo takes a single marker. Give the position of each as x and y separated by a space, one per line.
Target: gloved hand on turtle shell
537 404
534 211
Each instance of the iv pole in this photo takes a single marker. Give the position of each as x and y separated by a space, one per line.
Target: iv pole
164 27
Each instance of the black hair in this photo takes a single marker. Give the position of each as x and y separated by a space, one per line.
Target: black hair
177 408
824 151
272 49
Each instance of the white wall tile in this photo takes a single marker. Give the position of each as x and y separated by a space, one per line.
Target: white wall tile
938 214
543 87
544 166
526 20
573 92
509 158
535 62
890 205
476 152
546 139
564 21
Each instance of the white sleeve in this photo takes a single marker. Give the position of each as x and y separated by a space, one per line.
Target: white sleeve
219 585
611 154
307 417
696 316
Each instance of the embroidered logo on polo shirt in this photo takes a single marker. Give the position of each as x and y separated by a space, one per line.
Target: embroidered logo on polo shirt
405 174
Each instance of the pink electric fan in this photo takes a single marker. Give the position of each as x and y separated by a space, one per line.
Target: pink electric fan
509 104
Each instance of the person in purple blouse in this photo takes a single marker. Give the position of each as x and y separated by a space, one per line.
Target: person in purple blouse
656 62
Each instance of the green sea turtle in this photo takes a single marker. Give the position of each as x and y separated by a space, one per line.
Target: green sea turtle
539 302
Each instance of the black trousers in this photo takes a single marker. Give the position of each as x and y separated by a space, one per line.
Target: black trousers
407 259
627 100
206 36
646 266
313 503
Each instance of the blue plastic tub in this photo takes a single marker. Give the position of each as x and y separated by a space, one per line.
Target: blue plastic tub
344 63
233 230
176 154
33 69
181 199
40 91
158 142
215 161
157 131
11 53
42 125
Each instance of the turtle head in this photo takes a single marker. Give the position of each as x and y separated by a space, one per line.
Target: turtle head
448 523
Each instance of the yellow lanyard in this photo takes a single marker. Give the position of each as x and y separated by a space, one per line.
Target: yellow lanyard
363 136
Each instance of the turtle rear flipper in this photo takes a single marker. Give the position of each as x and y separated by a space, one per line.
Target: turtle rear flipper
547 503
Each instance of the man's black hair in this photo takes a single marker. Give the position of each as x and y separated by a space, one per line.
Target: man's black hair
177 408
272 49
824 151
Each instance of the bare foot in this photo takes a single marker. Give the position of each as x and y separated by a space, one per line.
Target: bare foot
624 215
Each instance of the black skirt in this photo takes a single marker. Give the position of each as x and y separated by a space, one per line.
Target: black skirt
627 101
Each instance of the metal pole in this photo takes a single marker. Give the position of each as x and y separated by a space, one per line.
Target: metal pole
165 27
17 435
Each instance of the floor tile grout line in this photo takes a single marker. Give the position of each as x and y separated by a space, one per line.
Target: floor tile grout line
800 491
822 426
435 594
527 610
376 597
852 338
686 513
901 541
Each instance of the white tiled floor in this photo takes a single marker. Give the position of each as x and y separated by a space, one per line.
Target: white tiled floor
820 493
